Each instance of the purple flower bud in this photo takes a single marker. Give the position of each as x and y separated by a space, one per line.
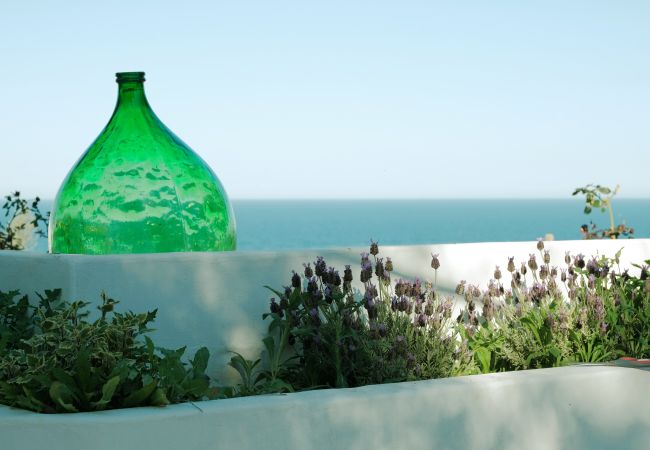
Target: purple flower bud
435 262
308 270
540 244
592 282
320 266
295 280
460 288
312 285
523 269
592 266
511 264
374 248
543 272
347 274
379 268
428 308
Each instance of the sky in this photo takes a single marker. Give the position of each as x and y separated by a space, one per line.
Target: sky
341 99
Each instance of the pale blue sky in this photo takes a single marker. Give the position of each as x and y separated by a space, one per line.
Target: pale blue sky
342 99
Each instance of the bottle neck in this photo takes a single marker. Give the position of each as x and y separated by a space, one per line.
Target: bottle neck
131 95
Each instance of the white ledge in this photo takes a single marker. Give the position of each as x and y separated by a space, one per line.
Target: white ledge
579 407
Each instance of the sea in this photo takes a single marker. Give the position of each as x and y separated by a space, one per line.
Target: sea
320 224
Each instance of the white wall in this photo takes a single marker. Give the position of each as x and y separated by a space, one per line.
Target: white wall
217 299
585 407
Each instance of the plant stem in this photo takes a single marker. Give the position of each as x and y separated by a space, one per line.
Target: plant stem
611 214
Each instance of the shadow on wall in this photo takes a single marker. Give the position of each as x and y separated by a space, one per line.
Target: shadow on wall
470 413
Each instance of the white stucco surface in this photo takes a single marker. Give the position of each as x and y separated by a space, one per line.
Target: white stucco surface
586 407
217 299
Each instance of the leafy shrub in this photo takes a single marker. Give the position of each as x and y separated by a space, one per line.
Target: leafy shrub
52 359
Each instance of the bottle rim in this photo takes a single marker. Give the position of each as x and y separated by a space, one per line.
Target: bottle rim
126 77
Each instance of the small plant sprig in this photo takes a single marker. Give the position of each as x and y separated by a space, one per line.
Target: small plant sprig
601 197
21 218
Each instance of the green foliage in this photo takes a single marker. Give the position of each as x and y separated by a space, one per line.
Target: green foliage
601 197
330 335
339 338
20 219
584 313
54 360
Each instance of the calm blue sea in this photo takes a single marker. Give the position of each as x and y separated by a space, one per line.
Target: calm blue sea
292 224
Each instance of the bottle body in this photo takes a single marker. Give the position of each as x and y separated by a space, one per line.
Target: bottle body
140 189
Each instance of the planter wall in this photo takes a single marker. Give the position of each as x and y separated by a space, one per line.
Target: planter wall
586 407
217 299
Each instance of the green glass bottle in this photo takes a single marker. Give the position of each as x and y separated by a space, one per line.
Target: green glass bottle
140 189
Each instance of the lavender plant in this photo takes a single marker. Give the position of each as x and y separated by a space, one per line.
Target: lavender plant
395 330
583 312
341 337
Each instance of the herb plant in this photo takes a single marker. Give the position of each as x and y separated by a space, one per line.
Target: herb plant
53 359
327 334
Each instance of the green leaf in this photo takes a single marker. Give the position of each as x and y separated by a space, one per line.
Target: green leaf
62 396
139 397
196 387
82 370
159 398
151 348
108 390
484 356
62 376
200 361
269 344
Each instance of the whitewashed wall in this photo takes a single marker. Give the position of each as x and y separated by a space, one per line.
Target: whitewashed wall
217 299
573 408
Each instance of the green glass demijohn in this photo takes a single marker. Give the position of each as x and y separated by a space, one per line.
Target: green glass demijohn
140 189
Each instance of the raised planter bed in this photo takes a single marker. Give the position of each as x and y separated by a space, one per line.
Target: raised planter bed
581 407
217 299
